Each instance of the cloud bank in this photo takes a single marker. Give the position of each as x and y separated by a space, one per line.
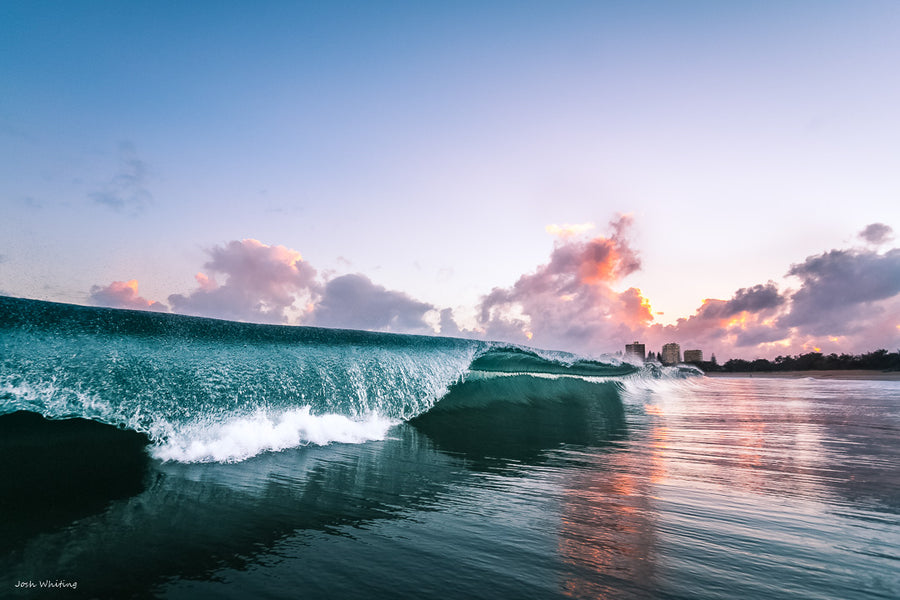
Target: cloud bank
846 301
273 284
843 300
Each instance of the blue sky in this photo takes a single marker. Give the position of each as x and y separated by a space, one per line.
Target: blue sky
427 146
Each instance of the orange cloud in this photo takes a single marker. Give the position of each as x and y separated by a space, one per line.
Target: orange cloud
739 321
599 263
123 294
206 283
570 302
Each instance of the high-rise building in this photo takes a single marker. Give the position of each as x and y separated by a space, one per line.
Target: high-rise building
671 354
693 356
635 349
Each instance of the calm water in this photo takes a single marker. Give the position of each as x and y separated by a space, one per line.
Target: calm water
711 488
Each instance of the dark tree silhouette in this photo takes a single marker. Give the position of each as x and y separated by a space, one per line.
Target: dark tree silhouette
880 360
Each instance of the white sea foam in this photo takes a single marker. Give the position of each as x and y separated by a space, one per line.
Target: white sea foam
243 437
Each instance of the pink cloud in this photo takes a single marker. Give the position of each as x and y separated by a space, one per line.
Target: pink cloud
262 282
123 294
571 302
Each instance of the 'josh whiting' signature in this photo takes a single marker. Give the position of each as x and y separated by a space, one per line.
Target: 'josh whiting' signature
48 583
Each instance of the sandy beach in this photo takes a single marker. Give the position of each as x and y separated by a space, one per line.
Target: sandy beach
833 374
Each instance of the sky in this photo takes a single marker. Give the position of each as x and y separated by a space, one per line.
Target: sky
571 175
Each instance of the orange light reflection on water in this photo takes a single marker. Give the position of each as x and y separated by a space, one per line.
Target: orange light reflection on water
607 530
755 441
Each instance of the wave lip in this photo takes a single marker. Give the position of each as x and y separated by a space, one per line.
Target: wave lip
519 360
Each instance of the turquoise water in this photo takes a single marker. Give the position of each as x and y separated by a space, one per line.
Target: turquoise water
405 467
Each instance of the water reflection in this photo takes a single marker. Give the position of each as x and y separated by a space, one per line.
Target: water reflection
703 489
607 533
736 434
723 481
760 491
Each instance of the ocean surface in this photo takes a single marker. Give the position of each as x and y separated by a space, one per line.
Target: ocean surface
151 455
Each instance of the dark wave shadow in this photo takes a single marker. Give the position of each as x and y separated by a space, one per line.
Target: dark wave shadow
55 471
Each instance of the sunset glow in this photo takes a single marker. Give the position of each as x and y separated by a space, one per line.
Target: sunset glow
576 177
449 300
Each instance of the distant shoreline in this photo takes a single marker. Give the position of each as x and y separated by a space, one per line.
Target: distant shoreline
823 374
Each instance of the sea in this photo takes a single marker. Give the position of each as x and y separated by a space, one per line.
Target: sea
147 455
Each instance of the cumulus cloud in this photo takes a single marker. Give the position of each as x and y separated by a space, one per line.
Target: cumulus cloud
848 301
758 298
123 294
571 301
877 233
448 325
127 190
261 282
354 302
746 319
839 289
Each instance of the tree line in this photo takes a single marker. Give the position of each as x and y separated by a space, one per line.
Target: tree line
881 360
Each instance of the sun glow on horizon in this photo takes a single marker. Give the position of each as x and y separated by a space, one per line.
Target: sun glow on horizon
739 321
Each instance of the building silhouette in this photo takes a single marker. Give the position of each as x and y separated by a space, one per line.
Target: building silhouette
693 356
635 349
671 354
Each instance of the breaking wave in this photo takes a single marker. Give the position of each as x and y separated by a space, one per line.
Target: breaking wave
205 390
